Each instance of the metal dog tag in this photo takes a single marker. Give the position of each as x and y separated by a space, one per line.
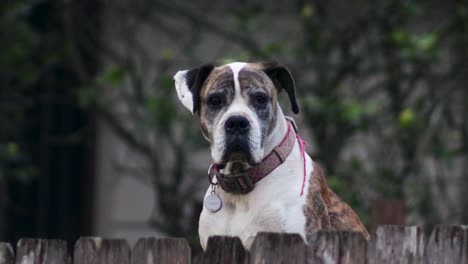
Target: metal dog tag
213 203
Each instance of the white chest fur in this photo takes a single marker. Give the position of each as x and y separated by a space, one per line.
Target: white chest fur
274 205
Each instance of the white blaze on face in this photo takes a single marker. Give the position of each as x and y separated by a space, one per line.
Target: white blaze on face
239 106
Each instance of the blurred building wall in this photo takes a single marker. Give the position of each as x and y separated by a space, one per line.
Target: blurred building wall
125 203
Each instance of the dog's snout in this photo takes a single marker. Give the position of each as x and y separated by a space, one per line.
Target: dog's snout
237 125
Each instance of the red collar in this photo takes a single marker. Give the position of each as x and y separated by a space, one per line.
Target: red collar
244 182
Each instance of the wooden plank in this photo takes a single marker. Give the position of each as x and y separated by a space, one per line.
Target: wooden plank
278 248
447 244
198 259
161 250
42 251
7 255
89 250
386 211
336 247
465 245
396 244
222 249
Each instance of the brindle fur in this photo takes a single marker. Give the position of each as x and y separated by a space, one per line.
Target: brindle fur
325 210
251 79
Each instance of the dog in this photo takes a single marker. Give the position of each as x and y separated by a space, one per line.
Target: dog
261 179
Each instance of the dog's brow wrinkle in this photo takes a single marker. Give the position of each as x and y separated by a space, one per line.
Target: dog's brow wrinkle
224 84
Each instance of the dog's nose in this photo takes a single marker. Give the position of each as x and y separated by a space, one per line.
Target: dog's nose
237 125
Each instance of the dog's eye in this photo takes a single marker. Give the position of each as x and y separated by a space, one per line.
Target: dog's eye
260 99
215 101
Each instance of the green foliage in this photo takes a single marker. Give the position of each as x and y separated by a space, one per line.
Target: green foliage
112 76
399 111
12 150
168 53
367 75
272 48
307 11
248 18
407 118
13 165
21 65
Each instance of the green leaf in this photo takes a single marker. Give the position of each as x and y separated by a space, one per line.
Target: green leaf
307 11
406 118
272 48
408 52
168 53
337 184
426 42
111 76
399 36
12 149
352 111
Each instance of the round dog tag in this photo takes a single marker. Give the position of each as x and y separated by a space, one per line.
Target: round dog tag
213 203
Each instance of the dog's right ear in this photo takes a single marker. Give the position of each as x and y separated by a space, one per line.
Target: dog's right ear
188 84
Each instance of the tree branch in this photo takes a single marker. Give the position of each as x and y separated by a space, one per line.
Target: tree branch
128 136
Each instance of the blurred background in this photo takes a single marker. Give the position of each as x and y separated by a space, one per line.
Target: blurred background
93 140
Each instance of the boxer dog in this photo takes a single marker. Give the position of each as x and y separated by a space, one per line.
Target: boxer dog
261 180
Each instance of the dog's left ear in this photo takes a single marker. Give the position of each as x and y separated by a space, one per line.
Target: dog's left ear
282 79
188 84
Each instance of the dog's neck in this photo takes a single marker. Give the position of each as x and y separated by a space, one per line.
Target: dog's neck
277 134
271 141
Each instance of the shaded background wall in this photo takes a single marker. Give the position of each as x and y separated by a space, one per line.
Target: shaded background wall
46 139
93 140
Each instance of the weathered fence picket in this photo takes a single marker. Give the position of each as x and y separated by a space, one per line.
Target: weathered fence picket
387 245
396 244
89 250
161 250
42 251
7 255
337 247
278 248
227 250
448 244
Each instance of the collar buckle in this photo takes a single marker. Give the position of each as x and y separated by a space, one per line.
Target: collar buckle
236 182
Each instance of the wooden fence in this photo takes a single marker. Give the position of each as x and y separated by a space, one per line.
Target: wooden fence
389 244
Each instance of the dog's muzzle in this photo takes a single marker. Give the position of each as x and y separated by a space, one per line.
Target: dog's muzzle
237 130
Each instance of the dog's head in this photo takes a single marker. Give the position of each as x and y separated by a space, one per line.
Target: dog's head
236 104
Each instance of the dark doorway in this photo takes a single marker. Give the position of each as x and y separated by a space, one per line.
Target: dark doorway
46 139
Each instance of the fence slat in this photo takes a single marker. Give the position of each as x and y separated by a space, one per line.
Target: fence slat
42 251
161 250
389 244
278 248
221 249
448 244
336 247
101 251
396 244
7 256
